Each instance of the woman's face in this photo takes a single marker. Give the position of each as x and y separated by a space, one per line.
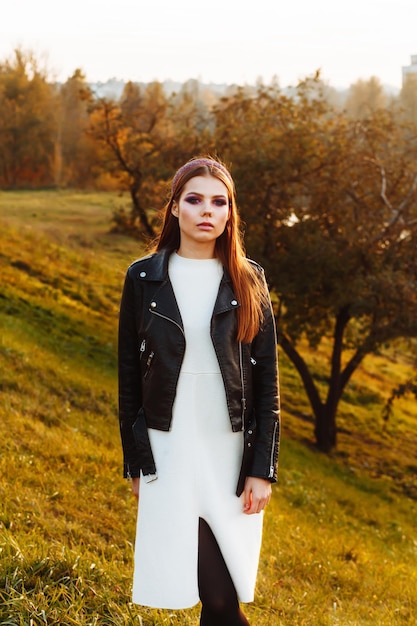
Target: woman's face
202 211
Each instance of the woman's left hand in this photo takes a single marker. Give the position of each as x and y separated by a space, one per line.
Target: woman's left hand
256 495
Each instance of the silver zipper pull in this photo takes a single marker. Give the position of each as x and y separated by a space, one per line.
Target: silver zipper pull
148 364
142 347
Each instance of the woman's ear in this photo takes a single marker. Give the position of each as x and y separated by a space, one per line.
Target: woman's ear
174 209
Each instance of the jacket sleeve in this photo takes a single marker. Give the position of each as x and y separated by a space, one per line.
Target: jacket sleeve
130 393
266 397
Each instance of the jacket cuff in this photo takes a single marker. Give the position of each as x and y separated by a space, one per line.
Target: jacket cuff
148 478
130 472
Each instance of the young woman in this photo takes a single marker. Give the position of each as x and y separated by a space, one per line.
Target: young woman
199 405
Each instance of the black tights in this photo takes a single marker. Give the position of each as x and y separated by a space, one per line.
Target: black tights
217 592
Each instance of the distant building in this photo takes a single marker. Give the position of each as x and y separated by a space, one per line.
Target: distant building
410 69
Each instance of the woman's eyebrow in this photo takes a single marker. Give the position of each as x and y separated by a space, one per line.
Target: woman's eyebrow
197 193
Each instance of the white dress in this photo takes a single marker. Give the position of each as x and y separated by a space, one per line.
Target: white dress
197 462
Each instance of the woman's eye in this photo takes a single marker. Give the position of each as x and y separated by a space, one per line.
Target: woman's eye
220 202
192 200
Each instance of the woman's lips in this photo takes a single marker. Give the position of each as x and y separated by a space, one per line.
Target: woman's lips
205 226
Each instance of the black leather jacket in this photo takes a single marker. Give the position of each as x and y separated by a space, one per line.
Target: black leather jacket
151 350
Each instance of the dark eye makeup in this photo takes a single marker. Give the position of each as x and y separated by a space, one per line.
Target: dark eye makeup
192 199
220 201
195 199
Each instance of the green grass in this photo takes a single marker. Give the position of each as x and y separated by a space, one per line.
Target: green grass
340 533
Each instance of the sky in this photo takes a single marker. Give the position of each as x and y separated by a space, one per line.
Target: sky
220 41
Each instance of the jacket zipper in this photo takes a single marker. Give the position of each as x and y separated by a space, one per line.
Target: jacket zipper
271 462
148 360
169 320
148 364
243 400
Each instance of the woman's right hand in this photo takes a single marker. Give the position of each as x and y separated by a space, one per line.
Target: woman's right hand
135 487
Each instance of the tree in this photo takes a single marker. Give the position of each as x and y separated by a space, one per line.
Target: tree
146 135
132 132
27 122
365 97
76 154
407 99
330 211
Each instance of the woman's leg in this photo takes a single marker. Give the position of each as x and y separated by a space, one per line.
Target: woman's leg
217 592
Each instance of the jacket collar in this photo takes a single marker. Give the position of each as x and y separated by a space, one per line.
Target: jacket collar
155 268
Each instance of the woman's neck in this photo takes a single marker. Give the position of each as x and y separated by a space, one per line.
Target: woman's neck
197 252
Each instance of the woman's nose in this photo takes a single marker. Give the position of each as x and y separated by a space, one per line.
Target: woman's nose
206 209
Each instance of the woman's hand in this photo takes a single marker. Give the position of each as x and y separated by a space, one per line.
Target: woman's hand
135 487
256 495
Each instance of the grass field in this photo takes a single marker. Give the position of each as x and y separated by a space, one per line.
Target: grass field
340 542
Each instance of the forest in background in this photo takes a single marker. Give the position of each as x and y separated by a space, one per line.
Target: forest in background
48 130
327 193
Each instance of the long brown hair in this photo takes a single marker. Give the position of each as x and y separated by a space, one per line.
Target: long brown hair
249 287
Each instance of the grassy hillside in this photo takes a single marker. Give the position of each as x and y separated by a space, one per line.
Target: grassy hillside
340 543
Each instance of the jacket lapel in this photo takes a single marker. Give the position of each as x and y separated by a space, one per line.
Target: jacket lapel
165 304
226 299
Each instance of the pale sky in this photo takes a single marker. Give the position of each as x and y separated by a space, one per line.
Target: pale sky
220 41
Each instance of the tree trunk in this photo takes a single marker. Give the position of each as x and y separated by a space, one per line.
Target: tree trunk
325 429
139 211
325 413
